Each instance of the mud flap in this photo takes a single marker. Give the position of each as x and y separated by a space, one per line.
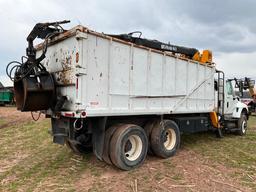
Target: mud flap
59 130
98 136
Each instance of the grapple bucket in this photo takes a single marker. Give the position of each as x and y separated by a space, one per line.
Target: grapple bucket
35 93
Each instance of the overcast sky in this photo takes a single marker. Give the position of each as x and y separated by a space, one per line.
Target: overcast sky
227 27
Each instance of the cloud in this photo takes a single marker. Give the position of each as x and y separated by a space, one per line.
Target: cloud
226 27
237 64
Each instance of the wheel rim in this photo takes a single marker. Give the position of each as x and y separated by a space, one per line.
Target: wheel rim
244 125
133 147
170 139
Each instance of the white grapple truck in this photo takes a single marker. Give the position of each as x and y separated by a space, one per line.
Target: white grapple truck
122 96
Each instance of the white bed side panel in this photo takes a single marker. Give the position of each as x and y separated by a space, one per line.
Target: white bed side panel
120 79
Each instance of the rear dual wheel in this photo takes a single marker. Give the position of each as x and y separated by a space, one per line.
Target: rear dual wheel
148 129
126 146
164 138
108 135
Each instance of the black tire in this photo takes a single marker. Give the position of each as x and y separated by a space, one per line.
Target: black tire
108 135
73 147
165 139
128 147
148 130
242 125
79 147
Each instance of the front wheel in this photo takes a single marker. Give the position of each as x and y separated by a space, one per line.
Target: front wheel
242 125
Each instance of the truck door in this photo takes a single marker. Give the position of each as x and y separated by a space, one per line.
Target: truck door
230 101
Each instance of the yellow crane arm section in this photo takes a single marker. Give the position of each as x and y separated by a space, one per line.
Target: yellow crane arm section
205 57
214 119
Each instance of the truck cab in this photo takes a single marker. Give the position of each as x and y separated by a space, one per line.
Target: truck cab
232 112
233 107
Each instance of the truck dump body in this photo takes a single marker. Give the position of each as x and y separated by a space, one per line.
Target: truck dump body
107 76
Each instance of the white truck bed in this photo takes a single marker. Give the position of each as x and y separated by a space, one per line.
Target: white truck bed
106 76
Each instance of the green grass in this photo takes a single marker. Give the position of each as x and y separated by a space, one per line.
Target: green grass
2 122
29 160
233 151
177 177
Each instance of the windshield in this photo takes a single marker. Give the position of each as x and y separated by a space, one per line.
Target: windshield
229 88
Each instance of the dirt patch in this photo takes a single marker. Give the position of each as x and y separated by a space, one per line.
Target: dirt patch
33 160
204 174
11 116
187 171
8 164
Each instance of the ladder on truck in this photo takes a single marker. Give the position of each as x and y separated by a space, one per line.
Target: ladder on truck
221 95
